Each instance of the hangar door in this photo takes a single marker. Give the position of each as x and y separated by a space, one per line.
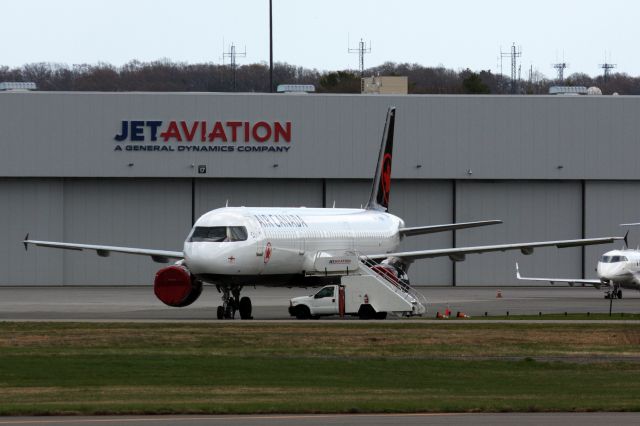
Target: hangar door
531 211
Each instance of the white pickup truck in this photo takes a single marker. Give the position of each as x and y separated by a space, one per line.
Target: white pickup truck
359 296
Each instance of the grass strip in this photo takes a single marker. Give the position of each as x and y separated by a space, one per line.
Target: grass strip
53 368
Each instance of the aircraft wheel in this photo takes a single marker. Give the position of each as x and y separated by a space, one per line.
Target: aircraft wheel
230 311
220 312
619 294
245 308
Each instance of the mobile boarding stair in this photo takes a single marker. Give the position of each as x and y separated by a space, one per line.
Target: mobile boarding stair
391 293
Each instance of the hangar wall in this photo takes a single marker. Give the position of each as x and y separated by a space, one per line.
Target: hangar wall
548 166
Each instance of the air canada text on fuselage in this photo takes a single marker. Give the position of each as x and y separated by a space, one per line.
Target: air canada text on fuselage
204 131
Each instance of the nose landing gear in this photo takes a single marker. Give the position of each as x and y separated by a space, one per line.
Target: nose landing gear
231 302
615 293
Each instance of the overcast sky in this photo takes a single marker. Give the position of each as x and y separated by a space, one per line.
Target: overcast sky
316 34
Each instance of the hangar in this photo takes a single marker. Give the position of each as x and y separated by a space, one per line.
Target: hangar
136 169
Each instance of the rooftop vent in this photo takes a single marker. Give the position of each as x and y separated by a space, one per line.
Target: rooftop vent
567 90
11 85
296 88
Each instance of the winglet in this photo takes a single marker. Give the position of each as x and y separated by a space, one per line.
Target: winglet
626 241
379 199
26 238
517 271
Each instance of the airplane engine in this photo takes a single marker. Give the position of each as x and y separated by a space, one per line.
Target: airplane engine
176 286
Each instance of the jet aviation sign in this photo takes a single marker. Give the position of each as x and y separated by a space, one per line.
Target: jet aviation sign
203 136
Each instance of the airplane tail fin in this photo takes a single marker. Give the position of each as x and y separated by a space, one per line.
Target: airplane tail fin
379 199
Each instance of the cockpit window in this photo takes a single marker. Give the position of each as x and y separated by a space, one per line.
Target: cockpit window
218 234
237 233
613 259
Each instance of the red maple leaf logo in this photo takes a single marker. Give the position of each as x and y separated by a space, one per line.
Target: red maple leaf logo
385 178
267 253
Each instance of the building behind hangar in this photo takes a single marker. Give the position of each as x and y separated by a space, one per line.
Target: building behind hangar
135 169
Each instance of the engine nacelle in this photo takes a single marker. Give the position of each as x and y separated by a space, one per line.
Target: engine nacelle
176 286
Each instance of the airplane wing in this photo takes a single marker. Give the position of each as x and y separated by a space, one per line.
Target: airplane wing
418 230
160 256
571 282
459 254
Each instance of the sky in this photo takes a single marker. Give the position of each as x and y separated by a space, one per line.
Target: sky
317 34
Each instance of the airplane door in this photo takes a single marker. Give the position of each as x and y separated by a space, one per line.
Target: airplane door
300 242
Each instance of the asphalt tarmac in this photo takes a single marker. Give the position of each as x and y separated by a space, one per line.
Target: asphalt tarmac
139 303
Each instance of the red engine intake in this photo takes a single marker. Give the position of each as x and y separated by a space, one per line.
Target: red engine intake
175 286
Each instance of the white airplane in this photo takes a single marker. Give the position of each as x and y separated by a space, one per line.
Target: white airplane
616 269
236 246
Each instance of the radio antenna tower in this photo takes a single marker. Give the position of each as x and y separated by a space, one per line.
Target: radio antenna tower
607 67
361 51
514 54
560 67
232 54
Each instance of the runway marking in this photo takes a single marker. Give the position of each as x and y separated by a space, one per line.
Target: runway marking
229 417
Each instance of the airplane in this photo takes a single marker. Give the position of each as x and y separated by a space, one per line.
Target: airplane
233 247
616 269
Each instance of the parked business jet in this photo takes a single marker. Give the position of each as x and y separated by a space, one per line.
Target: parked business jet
616 269
236 246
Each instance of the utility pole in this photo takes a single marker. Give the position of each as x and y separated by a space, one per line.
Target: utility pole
514 54
361 51
232 53
270 47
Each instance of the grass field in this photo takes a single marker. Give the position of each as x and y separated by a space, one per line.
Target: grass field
55 368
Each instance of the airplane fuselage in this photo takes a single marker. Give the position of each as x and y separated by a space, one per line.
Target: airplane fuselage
620 268
258 242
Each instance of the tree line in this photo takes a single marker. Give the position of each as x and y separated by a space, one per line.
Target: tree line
168 76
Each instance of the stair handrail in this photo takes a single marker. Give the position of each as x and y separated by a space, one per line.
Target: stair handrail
397 285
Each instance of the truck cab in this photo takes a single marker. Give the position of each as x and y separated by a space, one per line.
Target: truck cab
324 302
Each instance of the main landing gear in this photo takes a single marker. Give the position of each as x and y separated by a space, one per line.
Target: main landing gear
232 302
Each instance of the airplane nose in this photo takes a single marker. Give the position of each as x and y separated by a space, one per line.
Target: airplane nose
197 258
